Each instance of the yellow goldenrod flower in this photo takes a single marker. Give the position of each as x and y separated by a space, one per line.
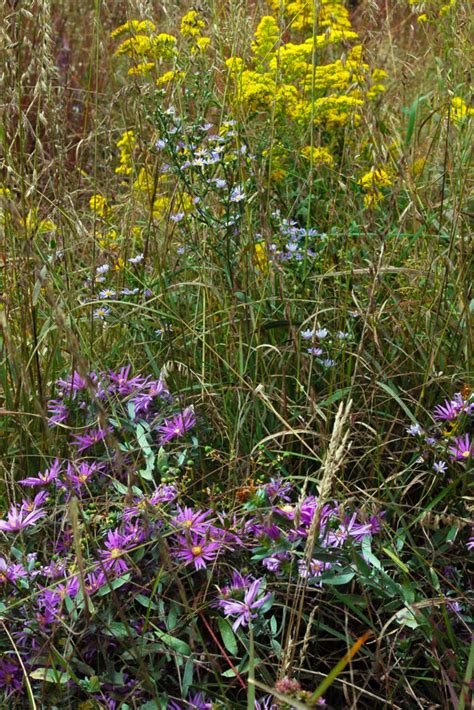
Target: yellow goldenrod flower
192 24
375 179
141 69
203 43
134 27
126 144
318 156
418 166
98 204
261 257
169 76
267 36
371 199
460 110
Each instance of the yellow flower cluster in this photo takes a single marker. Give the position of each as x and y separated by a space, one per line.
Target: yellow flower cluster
460 110
192 24
169 76
98 204
133 27
161 46
371 183
35 225
267 36
260 254
126 144
431 10
289 78
318 156
300 14
141 69
145 47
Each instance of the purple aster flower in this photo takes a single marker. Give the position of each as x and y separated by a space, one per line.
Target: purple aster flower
117 546
43 479
314 569
51 600
10 676
90 438
238 583
237 194
177 426
136 259
19 518
348 528
123 383
192 521
72 384
58 410
447 411
277 488
95 581
266 703
307 334
107 293
414 430
101 313
309 507
134 533
28 505
288 511
315 351
274 563
439 467
165 493
145 399
196 550
194 702
462 449
10 572
54 570
470 542
454 606
80 473
245 610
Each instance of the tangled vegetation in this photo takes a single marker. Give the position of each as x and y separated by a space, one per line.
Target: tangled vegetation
236 412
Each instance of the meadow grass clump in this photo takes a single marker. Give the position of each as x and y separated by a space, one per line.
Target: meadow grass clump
236 347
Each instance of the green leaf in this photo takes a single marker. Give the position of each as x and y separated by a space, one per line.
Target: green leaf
344 578
146 602
396 559
117 630
50 675
119 487
390 389
113 584
174 643
228 636
412 114
188 676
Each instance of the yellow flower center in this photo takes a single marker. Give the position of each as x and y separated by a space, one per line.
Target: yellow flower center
196 550
115 552
466 454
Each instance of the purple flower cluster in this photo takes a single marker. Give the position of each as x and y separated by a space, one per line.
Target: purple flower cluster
452 441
